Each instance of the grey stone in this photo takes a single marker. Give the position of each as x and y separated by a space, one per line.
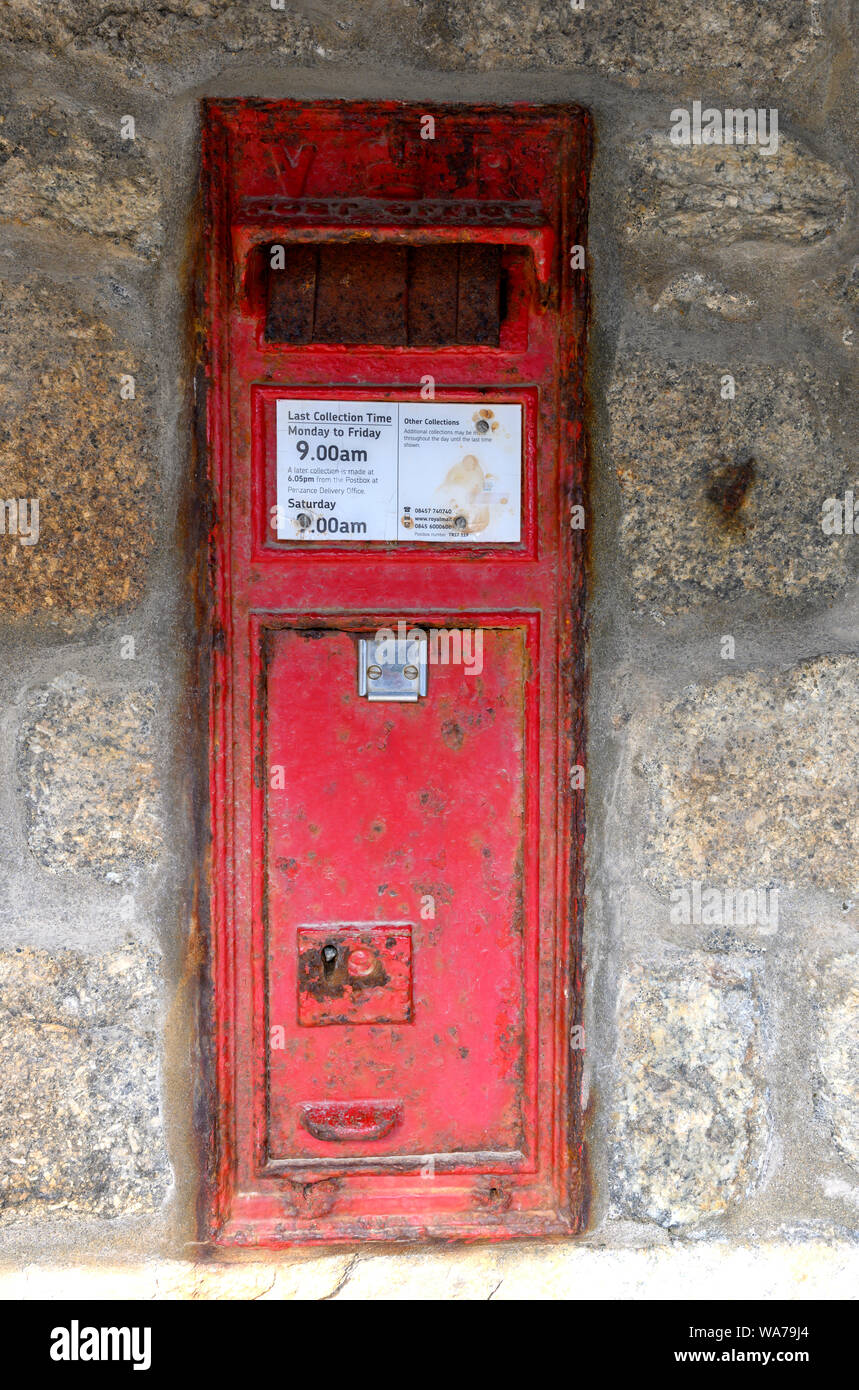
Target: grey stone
86 764
68 440
750 42
832 303
63 165
80 1122
730 193
172 41
691 290
723 497
754 780
753 44
837 1089
690 1123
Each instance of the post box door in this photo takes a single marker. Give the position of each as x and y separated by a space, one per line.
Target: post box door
394 422
394 878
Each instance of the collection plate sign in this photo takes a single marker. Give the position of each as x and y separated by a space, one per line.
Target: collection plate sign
398 471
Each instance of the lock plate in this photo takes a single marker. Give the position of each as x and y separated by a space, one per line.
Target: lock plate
355 974
392 668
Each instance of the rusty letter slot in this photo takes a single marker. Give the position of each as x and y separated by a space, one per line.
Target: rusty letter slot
420 296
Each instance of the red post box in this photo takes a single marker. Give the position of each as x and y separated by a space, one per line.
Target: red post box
396 302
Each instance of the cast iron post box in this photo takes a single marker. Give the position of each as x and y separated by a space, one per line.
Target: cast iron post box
396 310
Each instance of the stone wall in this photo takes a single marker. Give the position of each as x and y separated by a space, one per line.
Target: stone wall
721 1066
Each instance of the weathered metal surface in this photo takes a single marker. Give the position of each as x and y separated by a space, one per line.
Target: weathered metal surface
361 295
350 1121
386 295
463 1118
418 807
433 292
291 296
350 974
479 305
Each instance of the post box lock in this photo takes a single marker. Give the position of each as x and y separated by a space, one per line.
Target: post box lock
392 668
357 974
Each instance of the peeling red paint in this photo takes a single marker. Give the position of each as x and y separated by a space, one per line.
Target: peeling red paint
421 1082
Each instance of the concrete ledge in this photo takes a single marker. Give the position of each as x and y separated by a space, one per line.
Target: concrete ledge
777 1270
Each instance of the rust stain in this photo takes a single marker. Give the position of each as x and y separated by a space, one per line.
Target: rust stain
729 489
312 1198
493 1195
452 734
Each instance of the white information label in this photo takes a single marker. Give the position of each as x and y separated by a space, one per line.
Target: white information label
336 470
398 470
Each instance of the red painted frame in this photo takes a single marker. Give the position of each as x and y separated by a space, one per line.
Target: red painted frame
263 584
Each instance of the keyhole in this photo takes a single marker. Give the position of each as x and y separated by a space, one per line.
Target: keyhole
329 958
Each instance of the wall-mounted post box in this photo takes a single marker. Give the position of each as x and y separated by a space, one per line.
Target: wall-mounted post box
396 301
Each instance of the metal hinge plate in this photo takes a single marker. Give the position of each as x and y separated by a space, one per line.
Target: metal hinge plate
392 668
